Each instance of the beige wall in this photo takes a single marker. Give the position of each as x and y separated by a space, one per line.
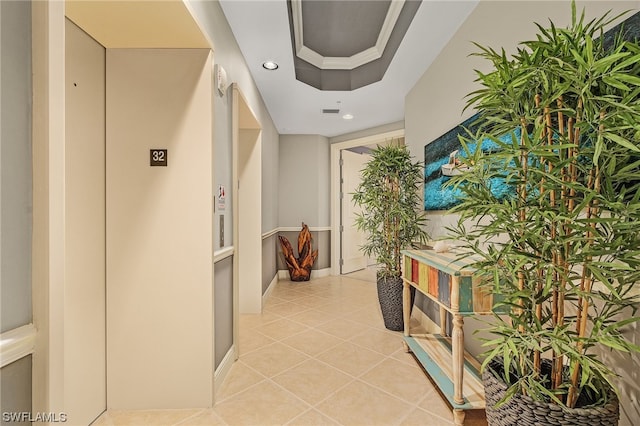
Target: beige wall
435 104
159 229
304 181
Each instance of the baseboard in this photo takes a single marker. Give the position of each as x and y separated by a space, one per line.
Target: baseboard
272 285
319 273
223 369
315 273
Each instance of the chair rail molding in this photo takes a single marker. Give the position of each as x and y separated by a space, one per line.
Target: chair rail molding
17 343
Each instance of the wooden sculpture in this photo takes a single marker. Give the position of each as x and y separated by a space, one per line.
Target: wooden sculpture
299 268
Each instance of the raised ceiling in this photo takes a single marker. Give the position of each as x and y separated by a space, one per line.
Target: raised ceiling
263 30
345 45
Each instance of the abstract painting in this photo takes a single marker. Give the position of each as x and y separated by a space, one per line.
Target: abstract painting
436 155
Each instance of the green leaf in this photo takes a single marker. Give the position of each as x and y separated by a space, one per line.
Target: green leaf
621 141
628 78
615 82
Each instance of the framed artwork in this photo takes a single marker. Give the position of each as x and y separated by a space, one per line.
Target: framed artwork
439 156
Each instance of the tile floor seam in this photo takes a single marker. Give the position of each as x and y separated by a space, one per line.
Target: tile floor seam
313 356
372 367
352 376
291 393
258 348
332 394
369 347
212 409
310 309
415 404
312 327
317 408
274 338
254 328
298 416
286 369
221 400
267 321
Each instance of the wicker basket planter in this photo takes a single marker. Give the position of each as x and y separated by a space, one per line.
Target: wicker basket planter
390 298
524 411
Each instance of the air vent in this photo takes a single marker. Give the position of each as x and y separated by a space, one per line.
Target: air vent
331 111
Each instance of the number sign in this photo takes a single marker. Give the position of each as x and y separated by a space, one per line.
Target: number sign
158 157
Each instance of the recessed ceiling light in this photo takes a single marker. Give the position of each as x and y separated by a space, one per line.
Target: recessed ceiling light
270 65
347 116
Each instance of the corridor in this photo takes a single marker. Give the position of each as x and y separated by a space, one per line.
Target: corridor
318 355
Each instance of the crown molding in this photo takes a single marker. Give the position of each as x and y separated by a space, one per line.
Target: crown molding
350 62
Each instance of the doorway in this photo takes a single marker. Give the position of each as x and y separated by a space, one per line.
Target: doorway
352 161
341 243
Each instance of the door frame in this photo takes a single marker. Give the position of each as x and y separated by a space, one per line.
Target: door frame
335 187
247 259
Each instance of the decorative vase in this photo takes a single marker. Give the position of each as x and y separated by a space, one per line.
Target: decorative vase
390 298
521 410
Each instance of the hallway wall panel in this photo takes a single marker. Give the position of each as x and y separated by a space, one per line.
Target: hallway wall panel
159 229
84 293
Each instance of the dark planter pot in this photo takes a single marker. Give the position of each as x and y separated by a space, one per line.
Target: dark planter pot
390 298
523 411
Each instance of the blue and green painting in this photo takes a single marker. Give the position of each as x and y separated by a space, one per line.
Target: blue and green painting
440 152
436 155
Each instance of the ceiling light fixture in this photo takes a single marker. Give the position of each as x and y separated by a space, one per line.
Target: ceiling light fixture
348 116
270 65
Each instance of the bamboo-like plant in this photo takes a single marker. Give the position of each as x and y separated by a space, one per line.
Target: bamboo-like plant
391 215
562 253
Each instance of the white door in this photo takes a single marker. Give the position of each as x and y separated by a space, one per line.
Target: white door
351 239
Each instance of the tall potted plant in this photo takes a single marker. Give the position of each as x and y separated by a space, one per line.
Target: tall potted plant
392 220
561 251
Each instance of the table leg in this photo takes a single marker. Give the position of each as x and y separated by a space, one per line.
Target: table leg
443 321
458 417
457 352
406 307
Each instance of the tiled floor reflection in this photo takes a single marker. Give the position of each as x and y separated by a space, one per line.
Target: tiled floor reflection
318 355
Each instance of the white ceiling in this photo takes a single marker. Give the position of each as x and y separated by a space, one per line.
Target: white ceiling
262 31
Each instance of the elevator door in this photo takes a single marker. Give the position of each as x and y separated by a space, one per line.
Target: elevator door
84 295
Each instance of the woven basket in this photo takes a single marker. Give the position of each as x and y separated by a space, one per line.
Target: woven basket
521 410
390 298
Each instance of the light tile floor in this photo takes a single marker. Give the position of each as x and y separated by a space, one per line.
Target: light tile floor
319 354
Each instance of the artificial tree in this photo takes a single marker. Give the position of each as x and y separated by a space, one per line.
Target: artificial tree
561 249
392 220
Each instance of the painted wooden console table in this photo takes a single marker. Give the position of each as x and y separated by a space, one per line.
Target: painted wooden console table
449 283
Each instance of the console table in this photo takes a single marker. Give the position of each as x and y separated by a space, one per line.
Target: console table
450 283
